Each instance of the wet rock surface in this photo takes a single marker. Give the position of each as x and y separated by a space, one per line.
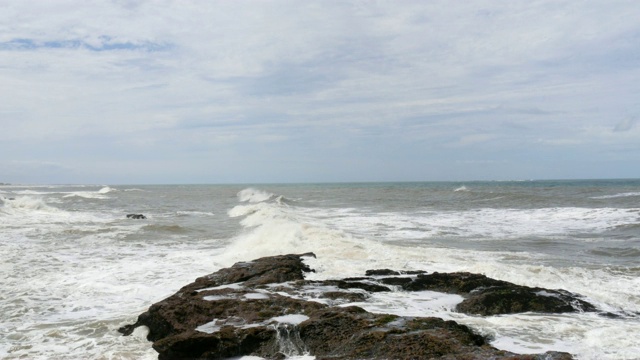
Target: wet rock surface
266 308
486 296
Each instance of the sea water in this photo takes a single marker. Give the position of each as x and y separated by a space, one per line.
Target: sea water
74 268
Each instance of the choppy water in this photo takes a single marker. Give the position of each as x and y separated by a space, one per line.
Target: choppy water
75 268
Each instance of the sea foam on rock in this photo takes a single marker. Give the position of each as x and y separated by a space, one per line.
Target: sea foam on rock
266 308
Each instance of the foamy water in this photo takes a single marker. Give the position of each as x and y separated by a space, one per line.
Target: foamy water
77 269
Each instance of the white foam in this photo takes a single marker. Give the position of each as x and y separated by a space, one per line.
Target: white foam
273 229
216 324
417 303
72 278
25 204
217 297
587 336
235 286
293 319
98 194
105 190
31 192
209 327
547 294
198 213
626 194
87 195
487 223
141 332
256 296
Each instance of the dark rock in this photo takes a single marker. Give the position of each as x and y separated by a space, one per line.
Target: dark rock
486 296
136 216
461 283
264 308
383 272
397 281
267 270
348 296
368 286
388 272
352 333
189 307
519 299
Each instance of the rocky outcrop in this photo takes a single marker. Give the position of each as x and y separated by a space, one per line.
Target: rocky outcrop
136 216
266 308
486 296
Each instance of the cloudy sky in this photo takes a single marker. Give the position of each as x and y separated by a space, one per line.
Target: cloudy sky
127 91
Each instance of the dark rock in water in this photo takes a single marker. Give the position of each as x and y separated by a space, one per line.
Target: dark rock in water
190 307
364 285
397 281
384 272
461 283
518 299
486 296
388 272
136 216
266 308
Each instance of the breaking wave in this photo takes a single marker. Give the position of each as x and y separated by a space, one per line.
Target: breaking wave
254 195
626 194
25 204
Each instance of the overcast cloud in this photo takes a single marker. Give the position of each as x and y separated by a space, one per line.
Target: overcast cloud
183 91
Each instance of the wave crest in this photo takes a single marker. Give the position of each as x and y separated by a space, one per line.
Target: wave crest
105 190
25 204
627 194
254 195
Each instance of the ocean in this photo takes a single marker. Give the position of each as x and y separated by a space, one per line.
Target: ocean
75 268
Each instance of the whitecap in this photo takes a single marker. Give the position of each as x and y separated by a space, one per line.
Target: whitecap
105 190
254 195
86 195
197 213
23 204
626 194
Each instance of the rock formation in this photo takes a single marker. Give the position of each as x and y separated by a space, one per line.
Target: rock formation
266 308
486 296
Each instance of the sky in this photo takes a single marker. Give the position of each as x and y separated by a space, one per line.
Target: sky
146 92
